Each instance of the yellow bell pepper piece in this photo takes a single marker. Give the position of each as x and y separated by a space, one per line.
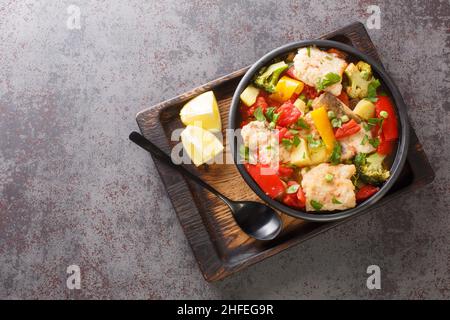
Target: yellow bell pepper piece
323 126
285 88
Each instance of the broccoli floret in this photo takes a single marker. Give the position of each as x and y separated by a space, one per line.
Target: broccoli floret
366 70
267 78
360 76
370 168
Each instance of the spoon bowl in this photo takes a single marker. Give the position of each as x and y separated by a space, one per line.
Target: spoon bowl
255 219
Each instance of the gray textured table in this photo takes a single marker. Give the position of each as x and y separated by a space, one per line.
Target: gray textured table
74 190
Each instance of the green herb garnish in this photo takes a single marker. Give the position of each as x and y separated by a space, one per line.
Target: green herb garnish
293 131
335 157
365 140
259 115
308 51
286 142
296 141
313 143
329 177
328 80
292 189
316 205
336 123
270 113
375 142
302 124
372 90
335 201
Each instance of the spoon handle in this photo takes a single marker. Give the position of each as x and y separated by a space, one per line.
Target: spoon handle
146 144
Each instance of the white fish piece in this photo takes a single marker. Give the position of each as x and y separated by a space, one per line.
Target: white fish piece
356 143
340 188
311 65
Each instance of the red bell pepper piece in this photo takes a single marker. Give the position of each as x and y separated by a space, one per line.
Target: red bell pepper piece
390 125
293 199
365 192
267 179
347 129
285 172
289 114
385 147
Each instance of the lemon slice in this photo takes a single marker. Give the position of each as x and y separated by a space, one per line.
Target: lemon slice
200 144
202 111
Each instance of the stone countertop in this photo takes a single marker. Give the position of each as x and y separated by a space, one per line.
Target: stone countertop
74 190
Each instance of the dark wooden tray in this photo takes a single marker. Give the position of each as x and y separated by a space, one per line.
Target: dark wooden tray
217 243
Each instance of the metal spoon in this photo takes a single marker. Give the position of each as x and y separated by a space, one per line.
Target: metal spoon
256 219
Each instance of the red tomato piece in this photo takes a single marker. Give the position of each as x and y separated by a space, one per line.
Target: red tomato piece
390 125
365 192
289 114
267 179
347 129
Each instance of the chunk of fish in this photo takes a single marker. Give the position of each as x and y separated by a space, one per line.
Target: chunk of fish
338 194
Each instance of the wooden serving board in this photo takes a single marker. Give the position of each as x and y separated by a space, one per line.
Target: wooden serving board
218 244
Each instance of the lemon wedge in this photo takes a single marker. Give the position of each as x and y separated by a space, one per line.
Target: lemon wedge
200 144
202 111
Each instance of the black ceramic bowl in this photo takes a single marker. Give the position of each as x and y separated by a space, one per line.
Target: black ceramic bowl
390 88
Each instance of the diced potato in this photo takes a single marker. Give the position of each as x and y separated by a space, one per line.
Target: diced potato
301 105
365 109
318 155
249 95
300 154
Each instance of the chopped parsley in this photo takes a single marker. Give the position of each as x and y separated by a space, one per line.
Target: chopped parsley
336 123
316 205
308 51
259 115
335 201
365 140
286 142
335 157
296 141
372 90
302 124
375 142
328 80
313 143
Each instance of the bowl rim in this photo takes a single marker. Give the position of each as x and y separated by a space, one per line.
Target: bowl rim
394 93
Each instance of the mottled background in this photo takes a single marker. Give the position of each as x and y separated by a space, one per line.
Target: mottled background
74 190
